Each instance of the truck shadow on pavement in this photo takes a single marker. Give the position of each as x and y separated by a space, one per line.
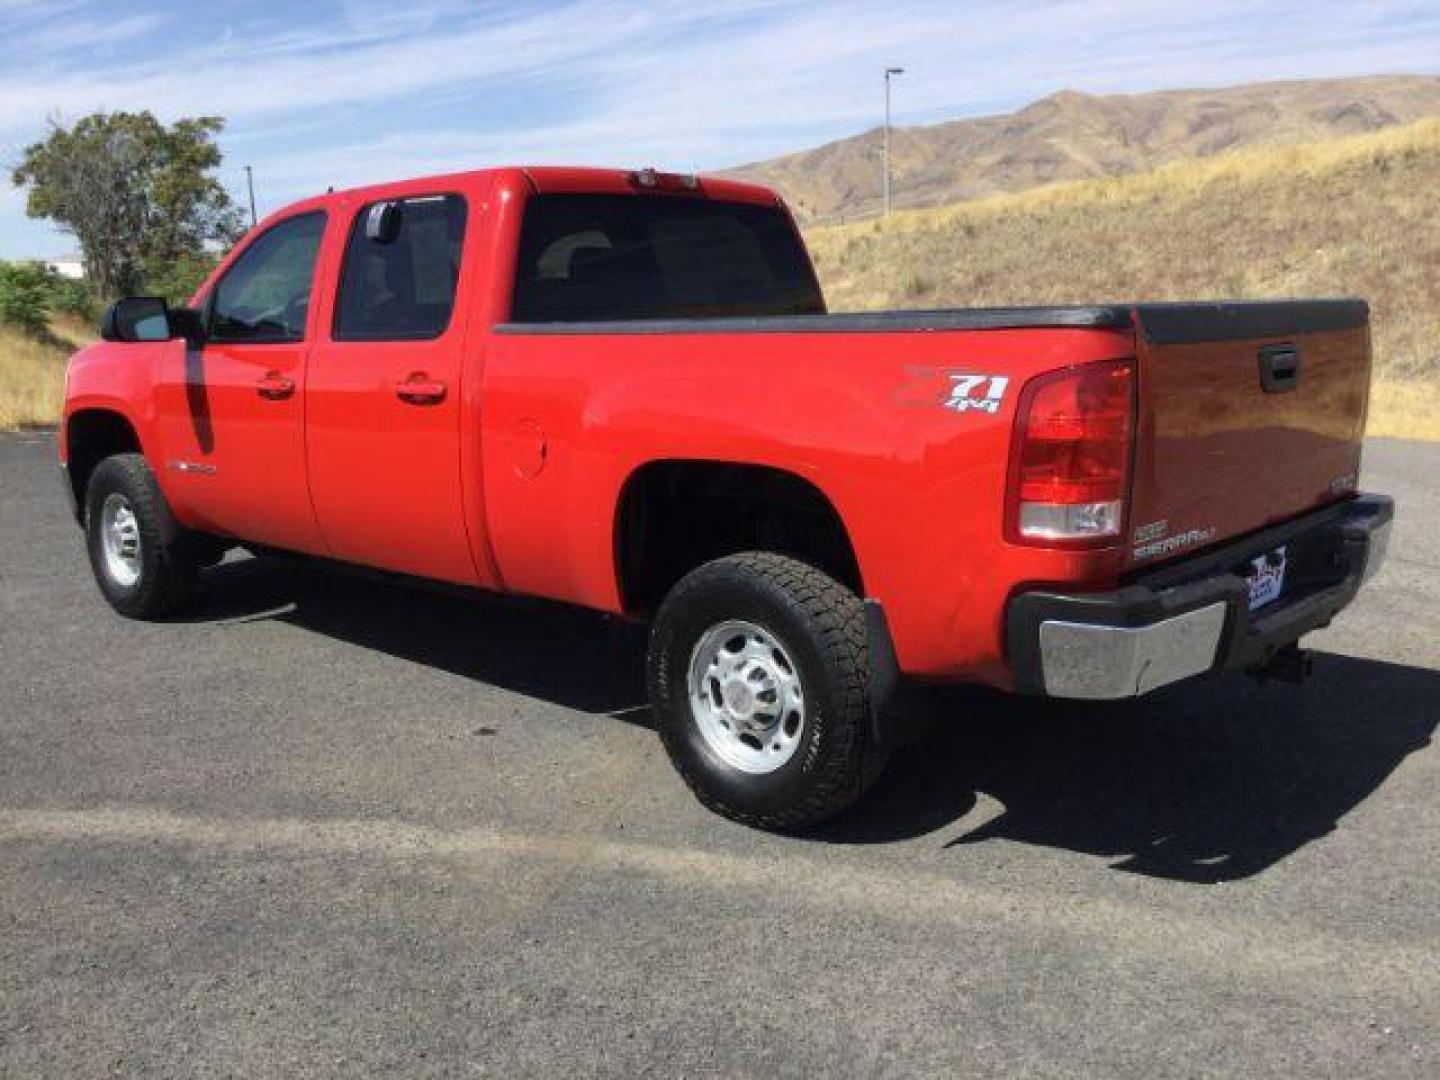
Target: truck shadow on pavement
565 655
1207 782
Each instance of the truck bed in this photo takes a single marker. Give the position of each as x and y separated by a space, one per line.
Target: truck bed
1165 323
1216 453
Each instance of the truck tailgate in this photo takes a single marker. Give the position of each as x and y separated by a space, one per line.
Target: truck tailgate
1248 414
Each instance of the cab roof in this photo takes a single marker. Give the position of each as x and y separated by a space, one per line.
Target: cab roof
546 180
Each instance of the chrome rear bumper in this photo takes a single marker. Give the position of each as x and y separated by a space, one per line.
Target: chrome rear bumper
1088 660
1193 616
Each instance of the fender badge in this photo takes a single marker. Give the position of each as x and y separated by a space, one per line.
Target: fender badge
192 467
982 393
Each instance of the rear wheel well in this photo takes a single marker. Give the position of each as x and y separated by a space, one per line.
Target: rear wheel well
676 515
91 436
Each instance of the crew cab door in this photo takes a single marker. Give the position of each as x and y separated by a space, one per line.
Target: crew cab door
384 396
231 411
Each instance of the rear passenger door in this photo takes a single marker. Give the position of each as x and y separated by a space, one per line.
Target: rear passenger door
384 396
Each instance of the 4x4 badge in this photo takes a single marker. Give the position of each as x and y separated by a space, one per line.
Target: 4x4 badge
976 392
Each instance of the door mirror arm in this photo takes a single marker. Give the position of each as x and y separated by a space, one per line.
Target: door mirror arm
187 323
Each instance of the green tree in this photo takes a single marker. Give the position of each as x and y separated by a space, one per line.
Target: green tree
140 197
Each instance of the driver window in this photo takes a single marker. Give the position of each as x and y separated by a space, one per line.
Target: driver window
265 295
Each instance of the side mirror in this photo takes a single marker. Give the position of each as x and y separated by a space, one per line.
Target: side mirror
149 318
137 318
382 223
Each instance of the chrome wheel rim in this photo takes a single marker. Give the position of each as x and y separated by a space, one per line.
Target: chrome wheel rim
120 540
746 696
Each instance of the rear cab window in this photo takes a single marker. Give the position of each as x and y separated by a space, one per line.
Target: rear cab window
590 258
402 263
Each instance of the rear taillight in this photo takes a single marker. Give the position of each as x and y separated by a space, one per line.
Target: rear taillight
1070 469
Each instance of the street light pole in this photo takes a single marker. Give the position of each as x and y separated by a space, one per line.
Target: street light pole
250 185
890 72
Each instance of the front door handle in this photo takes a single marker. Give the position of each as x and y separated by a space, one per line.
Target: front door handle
420 389
275 387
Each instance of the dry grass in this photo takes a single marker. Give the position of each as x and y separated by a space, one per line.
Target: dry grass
1408 409
1347 216
73 331
32 375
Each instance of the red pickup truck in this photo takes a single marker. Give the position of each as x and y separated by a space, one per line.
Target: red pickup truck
622 390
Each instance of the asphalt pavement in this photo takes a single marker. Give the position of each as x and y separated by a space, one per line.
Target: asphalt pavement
330 825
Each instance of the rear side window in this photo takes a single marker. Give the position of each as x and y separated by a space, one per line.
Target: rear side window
265 294
401 265
586 258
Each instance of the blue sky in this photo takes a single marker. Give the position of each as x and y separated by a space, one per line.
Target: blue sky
348 91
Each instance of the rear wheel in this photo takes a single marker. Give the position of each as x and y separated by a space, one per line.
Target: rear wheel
145 565
759 677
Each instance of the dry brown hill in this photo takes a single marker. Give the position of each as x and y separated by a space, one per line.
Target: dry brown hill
1074 136
1351 216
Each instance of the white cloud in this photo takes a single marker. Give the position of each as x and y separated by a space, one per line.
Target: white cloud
394 90
67 36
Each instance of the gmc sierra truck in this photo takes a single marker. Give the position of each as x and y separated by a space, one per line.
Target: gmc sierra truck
622 390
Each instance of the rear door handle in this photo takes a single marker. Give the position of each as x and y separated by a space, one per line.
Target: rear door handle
420 389
275 387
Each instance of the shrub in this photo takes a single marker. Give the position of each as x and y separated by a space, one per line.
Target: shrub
180 277
26 296
71 296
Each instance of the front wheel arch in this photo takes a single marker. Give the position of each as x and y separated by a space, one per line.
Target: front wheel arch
91 436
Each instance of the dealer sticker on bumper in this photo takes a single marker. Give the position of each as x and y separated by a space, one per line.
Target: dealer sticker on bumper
1266 578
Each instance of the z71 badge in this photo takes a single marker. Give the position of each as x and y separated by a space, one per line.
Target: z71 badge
976 392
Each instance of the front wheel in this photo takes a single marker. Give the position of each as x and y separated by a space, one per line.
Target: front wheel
140 557
760 679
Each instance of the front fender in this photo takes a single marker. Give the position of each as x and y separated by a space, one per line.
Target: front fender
114 377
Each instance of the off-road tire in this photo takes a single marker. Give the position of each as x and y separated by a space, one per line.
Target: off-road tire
169 567
823 624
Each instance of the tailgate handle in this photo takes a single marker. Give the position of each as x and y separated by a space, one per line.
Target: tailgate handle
1279 368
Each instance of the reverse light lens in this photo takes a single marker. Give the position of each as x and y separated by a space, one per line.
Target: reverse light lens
1059 521
1072 460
